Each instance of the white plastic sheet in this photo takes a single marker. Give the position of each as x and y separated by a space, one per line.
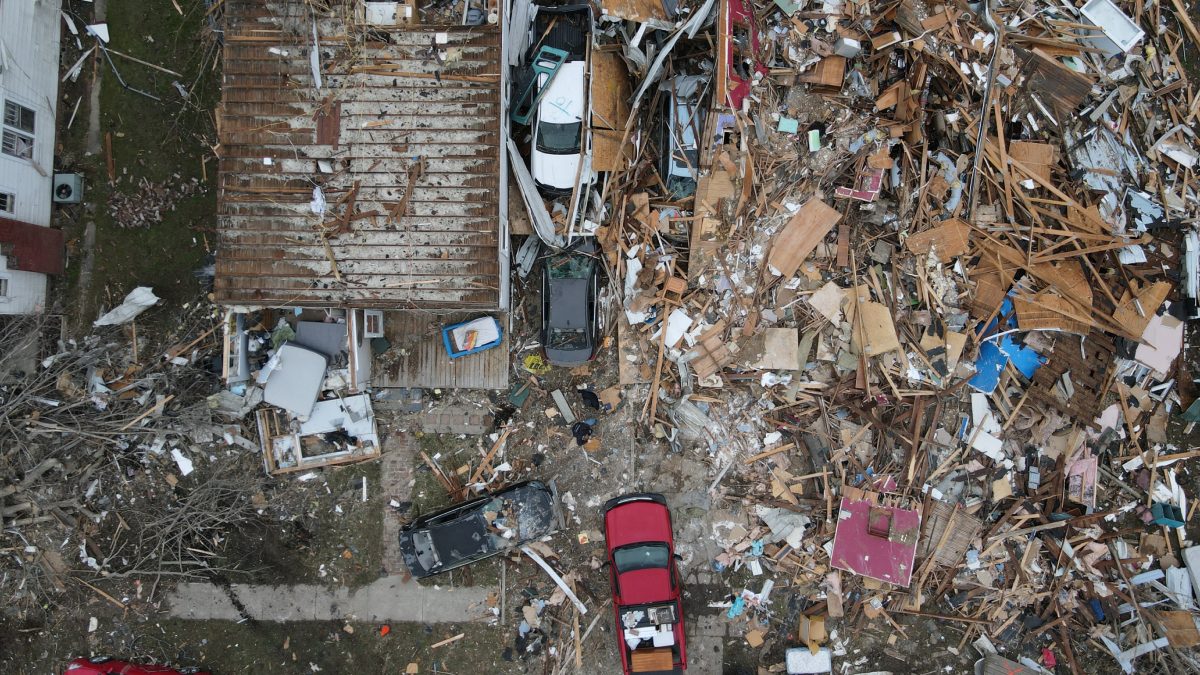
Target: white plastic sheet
139 300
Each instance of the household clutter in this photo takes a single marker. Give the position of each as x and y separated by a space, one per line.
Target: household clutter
922 307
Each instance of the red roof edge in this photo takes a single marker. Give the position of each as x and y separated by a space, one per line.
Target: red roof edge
31 248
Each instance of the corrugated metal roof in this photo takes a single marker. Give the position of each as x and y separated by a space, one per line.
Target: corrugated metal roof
392 111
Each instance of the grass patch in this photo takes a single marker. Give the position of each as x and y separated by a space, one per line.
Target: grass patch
162 141
263 647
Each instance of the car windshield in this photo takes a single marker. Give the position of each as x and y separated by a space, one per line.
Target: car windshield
570 267
426 553
567 339
559 139
641 557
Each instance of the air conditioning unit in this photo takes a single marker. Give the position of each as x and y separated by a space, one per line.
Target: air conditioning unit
68 188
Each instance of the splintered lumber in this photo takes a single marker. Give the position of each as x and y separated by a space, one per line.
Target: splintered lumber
447 641
557 579
450 486
767 453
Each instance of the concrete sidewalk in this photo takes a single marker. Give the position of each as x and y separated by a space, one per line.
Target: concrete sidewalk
388 599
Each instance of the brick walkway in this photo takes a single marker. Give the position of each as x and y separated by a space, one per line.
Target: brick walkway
456 420
395 481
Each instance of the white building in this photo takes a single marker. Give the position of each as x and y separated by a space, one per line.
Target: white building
29 248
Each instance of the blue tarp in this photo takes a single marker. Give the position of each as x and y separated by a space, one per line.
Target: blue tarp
995 354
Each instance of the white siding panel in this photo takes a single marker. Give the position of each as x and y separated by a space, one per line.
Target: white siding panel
26 290
29 36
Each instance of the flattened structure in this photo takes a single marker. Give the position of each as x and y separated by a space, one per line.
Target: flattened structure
402 137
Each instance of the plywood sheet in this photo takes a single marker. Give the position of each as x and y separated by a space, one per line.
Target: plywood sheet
800 236
610 93
608 154
659 660
947 241
829 72
1039 157
708 233
773 349
1151 298
876 326
635 10
1048 310
1180 629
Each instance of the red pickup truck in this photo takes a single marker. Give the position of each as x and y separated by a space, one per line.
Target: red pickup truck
645 584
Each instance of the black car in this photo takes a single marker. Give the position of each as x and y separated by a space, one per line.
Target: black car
474 530
570 323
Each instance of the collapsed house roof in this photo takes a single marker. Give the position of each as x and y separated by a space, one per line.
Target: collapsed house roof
363 173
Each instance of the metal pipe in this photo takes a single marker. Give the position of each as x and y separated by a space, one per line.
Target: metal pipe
997 35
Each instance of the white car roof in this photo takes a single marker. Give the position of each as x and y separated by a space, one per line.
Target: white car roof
563 101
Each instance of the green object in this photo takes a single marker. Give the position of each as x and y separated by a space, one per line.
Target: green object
283 332
380 345
787 6
546 62
1167 515
1192 414
788 125
519 394
814 140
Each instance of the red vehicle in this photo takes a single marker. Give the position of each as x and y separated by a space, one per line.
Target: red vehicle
102 665
738 47
645 584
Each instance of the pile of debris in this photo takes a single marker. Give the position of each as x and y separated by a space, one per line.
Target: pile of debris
116 442
933 267
145 204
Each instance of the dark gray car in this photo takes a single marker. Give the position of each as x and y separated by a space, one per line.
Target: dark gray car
570 283
483 527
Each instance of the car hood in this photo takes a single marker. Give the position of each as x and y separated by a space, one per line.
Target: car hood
636 523
556 171
640 587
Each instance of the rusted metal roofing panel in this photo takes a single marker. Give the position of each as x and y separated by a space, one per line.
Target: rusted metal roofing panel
403 140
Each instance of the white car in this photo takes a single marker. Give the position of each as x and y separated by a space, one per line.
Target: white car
558 130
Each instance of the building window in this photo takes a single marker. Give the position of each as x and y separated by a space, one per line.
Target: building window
18 117
8 202
17 139
3 288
